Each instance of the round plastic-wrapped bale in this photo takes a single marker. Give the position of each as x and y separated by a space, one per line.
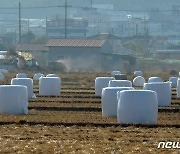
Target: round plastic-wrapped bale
4 71
100 83
173 81
137 107
25 82
116 73
13 99
21 75
109 100
138 81
178 88
138 73
49 86
154 79
163 90
51 75
120 83
37 76
1 76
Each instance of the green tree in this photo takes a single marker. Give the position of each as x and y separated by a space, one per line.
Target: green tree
39 40
28 37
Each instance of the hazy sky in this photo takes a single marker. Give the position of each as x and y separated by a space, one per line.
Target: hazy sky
48 12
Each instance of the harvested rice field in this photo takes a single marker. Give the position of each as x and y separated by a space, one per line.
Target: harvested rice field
73 123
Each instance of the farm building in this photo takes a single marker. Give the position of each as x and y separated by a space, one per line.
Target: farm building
38 51
80 54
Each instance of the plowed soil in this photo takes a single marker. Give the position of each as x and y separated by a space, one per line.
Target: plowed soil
73 123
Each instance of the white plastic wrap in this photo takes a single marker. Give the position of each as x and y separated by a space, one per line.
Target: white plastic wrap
1 76
138 81
49 86
4 71
100 83
137 107
51 75
13 99
178 88
154 79
37 76
173 81
116 73
109 100
120 83
25 82
138 73
21 75
163 90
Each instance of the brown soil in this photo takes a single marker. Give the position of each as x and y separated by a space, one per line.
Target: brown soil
73 123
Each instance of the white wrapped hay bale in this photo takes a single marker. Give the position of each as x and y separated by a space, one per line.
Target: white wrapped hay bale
163 90
173 81
138 73
100 83
21 75
116 73
109 100
13 99
37 76
178 88
1 76
137 107
120 83
49 86
51 75
4 71
138 81
154 79
25 82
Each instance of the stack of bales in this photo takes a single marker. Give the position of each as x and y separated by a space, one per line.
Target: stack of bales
135 106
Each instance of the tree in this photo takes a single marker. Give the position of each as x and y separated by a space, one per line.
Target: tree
39 40
28 37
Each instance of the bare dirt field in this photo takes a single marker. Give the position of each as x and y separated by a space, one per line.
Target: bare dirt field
73 123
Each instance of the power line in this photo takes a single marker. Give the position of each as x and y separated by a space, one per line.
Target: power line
88 8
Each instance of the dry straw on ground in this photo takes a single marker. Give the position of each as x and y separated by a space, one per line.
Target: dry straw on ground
73 123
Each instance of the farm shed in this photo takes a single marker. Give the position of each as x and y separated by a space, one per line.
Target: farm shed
38 51
78 54
125 62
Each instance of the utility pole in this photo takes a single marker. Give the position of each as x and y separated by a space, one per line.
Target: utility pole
19 23
65 28
46 27
28 25
91 3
